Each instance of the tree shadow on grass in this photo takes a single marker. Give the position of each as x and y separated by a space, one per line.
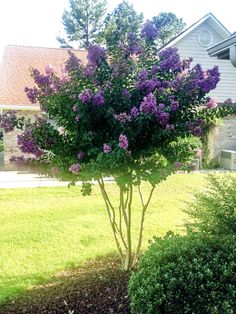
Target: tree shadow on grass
97 287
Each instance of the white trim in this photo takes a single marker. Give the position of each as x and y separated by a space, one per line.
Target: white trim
191 28
20 107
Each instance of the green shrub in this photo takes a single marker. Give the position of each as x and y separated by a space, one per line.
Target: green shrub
214 210
190 274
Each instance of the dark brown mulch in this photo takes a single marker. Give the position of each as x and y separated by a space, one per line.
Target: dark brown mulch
98 287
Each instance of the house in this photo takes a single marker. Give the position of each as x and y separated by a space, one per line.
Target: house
195 42
225 50
192 42
15 76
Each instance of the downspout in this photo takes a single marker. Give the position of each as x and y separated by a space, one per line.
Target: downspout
232 55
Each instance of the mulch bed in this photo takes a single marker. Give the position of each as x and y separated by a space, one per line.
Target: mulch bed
98 287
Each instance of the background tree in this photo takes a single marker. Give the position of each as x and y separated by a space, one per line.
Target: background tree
83 21
129 113
118 24
168 26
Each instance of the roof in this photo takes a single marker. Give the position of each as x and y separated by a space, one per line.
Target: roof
222 49
15 74
213 21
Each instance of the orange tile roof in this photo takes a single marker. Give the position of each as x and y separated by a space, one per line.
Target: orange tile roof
15 65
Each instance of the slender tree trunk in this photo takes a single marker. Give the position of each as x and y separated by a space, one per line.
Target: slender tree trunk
121 221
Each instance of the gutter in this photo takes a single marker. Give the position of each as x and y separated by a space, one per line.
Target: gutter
20 107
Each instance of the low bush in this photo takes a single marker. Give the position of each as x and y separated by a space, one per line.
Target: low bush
213 211
185 275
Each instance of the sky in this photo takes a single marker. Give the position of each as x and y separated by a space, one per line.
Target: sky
38 22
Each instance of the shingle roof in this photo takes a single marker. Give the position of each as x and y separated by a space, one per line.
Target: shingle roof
15 65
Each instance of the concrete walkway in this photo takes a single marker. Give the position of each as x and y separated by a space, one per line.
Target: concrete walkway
16 179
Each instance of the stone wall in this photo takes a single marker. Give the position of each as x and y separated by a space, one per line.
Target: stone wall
10 140
223 137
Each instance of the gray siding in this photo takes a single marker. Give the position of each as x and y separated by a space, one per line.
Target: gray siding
189 46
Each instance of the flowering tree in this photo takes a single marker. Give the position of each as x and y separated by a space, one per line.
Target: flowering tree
133 115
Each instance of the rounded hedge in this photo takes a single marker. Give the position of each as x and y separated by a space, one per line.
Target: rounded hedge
190 274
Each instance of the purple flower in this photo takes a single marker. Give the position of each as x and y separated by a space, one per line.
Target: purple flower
32 94
163 118
86 96
212 103
134 47
123 141
98 99
149 31
169 60
148 86
8 121
77 118
89 70
96 54
49 69
75 168
73 64
18 161
178 164
134 112
126 93
106 148
143 75
28 144
174 105
80 155
55 170
75 108
148 104
122 117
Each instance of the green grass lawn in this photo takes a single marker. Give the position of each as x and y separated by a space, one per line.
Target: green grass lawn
46 230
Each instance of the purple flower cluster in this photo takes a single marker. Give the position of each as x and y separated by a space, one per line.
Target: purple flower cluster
73 63
106 148
96 54
149 31
174 105
134 47
75 168
98 99
32 94
122 117
162 116
18 161
8 121
211 103
123 141
147 86
86 96
126 93
80 155
149 105
134 112
55 170
205 80
169 60
77 118
196 127
28 144
75 108
89 70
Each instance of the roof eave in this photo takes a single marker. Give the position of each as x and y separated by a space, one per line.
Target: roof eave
20 107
